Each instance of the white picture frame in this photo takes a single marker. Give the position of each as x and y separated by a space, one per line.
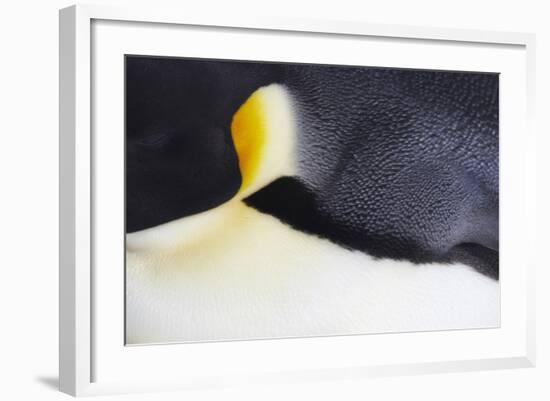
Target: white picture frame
78 370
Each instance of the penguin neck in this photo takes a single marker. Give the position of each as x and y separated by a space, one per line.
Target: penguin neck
265 137
182 233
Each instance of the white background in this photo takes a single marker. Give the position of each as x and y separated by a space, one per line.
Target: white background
28 216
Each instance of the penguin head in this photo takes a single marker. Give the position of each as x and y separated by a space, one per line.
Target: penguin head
200 134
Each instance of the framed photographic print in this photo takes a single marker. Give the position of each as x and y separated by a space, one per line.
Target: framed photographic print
358 197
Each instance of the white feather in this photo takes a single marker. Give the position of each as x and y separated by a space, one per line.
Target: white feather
235 273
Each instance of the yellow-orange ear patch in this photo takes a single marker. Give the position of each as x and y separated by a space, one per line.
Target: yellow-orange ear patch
264 136
248 130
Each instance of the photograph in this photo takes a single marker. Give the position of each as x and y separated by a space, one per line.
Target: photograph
275 201
270 200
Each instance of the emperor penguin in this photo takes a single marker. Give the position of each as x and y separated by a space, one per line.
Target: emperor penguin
271 200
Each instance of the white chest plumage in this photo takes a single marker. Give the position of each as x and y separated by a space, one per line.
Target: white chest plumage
258 278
